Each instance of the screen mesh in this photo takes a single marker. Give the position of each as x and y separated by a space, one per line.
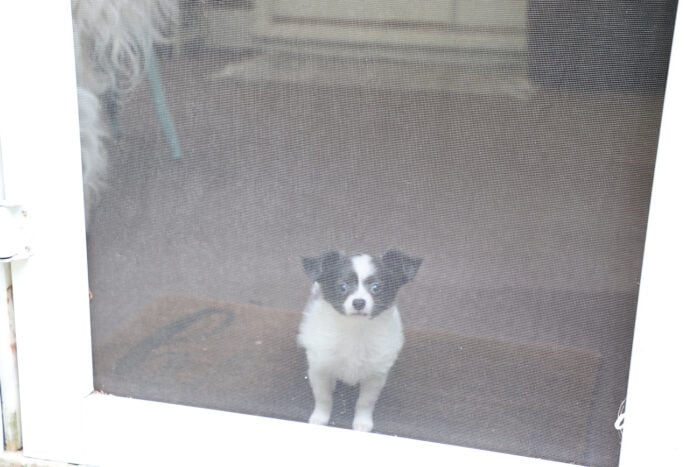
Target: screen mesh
510 144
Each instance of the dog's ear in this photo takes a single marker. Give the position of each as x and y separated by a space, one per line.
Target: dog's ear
404 266
315 268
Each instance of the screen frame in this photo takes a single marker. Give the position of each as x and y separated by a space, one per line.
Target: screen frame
64 419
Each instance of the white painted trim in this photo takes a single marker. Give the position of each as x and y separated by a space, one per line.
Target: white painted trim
311 25
42 169
64 421
663 407
163 434
11 429
5 329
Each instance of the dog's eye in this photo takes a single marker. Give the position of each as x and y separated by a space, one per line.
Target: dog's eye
343 287
375 288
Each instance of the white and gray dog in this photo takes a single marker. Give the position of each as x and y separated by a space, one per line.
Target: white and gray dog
113 40
351 328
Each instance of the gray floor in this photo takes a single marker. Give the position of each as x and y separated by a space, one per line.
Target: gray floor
529 212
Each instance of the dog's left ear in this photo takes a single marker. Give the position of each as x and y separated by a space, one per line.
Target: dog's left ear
315 268
403 265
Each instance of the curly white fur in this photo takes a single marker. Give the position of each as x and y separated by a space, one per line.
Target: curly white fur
92 136
114 39
113 42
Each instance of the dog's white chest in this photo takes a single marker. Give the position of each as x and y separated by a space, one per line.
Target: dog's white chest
351 348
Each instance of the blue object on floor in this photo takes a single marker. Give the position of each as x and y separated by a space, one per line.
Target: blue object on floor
161 105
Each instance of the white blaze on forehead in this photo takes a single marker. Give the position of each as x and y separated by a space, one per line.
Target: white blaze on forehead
363 266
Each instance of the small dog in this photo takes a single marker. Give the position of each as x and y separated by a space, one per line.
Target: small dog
351 328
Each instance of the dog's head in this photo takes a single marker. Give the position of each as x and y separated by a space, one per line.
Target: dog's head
361 285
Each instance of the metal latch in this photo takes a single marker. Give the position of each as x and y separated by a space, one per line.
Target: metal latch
15 243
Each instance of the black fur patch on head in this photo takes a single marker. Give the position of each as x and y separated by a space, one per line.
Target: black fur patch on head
335 274
404 267
316 268
394 269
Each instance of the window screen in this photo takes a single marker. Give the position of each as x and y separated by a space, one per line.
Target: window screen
510 144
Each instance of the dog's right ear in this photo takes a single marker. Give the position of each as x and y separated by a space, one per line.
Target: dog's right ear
315 268
403 265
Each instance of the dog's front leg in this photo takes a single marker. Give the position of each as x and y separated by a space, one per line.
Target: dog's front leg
370 389
322 386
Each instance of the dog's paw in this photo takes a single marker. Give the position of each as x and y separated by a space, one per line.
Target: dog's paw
362 423
319 417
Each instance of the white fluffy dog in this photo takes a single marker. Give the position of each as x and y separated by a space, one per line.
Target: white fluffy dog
113 41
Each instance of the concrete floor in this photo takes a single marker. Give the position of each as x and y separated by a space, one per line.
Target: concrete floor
529 211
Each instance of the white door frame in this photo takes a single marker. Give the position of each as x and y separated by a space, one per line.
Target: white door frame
64 420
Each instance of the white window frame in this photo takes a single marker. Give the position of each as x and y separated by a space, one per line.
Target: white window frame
65 420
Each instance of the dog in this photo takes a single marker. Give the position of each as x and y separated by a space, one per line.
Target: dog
351 329
113 41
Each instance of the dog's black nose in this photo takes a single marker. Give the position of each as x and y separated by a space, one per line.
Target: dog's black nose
358 304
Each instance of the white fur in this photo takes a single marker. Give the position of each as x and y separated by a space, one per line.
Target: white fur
92 135
364 267
113 40
353 349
